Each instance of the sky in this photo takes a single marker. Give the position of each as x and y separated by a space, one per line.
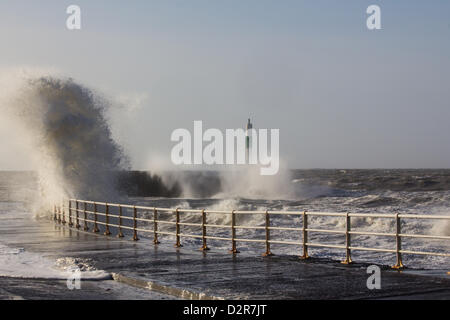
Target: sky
342 96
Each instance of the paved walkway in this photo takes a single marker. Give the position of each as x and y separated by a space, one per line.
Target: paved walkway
188 273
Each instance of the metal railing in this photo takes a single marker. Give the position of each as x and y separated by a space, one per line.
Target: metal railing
79 214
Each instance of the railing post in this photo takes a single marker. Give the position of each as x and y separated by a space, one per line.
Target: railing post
135 236
399 265
305 236
155 226
348 258
70 213
204 245
177 232
233 233
86 227
120 234
77 225
55 213
107 232
267 253
95 219
59 215
63 214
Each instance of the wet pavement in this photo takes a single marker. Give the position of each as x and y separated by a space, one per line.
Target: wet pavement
141 270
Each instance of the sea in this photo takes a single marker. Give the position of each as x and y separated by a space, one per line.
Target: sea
381 191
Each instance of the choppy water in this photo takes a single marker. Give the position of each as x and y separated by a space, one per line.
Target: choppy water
366 191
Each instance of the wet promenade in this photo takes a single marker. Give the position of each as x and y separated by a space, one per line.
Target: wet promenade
141 270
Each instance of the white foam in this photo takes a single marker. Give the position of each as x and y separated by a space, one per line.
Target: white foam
57 120
19 263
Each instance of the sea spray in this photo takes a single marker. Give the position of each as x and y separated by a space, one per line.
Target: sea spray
246 182
62 127
69 139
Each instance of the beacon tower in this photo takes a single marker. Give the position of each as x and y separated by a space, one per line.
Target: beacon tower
248 141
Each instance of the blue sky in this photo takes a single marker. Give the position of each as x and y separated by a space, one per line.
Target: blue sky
341 95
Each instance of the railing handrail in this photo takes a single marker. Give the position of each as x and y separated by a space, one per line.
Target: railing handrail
310 213
59 216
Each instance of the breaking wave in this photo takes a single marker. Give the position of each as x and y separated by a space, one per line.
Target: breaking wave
64 127
71 141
